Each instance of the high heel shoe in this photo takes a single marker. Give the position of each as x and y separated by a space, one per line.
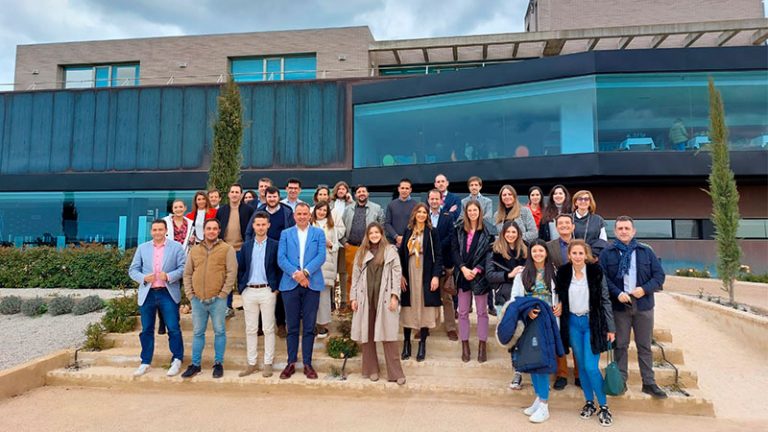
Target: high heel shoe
406 350
422 354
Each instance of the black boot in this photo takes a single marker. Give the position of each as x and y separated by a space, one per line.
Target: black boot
406 344
422 353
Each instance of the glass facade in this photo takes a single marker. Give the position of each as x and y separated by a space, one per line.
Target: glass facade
274 68
101 76
620 112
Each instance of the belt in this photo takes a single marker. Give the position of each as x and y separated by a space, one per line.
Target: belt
580 314
157 288
258 286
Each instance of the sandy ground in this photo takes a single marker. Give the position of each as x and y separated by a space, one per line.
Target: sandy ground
751 293
97 410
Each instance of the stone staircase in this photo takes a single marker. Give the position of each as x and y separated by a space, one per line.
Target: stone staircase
441 376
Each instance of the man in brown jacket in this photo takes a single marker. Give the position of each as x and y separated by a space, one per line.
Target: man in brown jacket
209 276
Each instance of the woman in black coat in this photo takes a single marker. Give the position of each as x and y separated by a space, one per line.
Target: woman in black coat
471 246
422 266
506 261
586 323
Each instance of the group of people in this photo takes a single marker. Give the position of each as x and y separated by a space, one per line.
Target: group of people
546 266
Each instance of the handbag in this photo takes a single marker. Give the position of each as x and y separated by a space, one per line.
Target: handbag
614 382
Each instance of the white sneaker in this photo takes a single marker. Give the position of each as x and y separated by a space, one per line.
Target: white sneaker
533 408
175 367
541 415
141 370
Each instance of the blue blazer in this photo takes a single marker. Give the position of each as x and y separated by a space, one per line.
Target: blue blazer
314 257
174 259
244 258
452 199
445 233
650 276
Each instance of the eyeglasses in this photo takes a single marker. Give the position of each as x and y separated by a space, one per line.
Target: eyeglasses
583 198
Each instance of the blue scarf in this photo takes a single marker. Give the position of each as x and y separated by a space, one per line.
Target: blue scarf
626 255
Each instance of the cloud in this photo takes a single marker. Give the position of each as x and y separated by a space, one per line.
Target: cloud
45 21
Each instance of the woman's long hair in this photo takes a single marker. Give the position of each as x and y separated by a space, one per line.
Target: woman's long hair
502 247
501 212
207 201
412 219
365 246
551 211
467 223
529 274
328 217
587 250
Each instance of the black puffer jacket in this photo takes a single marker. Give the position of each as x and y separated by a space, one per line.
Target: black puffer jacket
497 270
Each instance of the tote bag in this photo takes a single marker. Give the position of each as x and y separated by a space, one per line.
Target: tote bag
614 383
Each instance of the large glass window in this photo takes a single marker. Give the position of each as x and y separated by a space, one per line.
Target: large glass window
101 76
629 112
274 68
753 228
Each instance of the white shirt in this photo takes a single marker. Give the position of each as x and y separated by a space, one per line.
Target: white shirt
578 294
630 279
302 244
200 224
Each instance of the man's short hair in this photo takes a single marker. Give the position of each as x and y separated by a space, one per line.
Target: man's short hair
261 214
624 218
475 179
431 191
405 180
237 185
272 190
212 190
301 204
361 186
160 222
293 180
216 221
266 180
564 215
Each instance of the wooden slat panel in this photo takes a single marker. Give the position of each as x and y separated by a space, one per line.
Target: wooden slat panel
194 127
42 124
18 145
126 138
61 142
246 95
263 126
101 142
148 139
171 132
82 133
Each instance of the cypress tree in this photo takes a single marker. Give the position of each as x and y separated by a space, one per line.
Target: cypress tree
725 196
226 156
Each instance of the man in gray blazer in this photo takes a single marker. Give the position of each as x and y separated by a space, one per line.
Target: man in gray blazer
475 185
158 266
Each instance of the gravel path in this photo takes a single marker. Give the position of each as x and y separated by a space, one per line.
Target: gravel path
23 338
50 292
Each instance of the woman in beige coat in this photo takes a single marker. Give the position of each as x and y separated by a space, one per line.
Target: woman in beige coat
375 301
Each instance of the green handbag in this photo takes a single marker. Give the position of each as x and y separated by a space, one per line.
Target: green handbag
614 383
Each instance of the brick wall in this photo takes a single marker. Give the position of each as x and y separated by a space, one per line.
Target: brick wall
206 56
580 14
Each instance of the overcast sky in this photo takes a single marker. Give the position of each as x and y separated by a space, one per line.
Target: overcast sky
41 21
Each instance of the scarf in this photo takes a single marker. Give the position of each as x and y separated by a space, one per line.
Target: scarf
415 243
626 255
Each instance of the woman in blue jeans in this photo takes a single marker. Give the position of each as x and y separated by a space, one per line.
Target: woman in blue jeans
586 323
538 280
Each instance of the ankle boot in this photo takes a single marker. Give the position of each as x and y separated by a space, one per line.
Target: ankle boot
465 354
406 350
422 354
481 355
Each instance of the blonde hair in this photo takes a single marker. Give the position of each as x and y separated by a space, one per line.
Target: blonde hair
587 250
502 247
592 203
365 246
501 212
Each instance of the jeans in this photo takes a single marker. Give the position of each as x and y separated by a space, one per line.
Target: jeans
301 312
589 371
481 309
216 309
541 385
160 300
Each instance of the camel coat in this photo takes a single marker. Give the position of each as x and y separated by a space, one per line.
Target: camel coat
387 322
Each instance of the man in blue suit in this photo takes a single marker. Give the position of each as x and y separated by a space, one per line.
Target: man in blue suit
258 278
450 202
442 221
301 255
157 267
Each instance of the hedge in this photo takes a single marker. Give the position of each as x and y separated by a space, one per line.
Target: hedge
84 266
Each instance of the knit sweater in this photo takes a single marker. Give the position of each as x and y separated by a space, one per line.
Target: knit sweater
396 217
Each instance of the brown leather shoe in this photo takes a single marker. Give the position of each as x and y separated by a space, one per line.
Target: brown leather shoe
249 370
452 335
481 354
289 370
309 372
281 331
465 354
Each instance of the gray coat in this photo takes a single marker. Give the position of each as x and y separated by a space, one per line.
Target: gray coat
373 213
527 225
485 204
387 322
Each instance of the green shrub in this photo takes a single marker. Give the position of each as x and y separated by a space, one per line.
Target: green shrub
33 307
749 277
84 266
61 305
341 347
10 305
121 314
344 326
89 304
95 337
691 272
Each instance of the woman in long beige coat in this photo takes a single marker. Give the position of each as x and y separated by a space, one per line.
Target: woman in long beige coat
375 301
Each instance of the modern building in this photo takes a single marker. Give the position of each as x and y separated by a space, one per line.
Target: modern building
101 136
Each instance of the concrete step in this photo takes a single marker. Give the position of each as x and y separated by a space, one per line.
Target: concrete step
237 323
437 344
423 387
436 365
